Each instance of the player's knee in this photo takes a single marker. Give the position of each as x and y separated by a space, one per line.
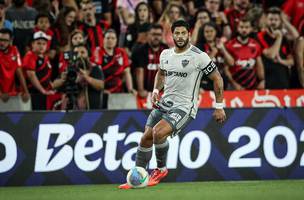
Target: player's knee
157 134
147 139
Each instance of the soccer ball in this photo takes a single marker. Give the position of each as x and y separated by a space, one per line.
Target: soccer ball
138 177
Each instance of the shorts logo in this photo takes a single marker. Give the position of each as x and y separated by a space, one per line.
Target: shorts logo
175 116
185 63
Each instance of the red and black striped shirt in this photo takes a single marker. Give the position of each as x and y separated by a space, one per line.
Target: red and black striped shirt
245 55
94 34
42 68
113 67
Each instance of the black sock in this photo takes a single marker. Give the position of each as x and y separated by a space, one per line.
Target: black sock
143 156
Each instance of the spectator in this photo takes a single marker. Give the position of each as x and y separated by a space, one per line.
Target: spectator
299 57
64 25
214 47
3 22
248 70
172 13
145 60
51 7
142 36
38 71
126 13
42 23
257 18
90 80
213 6
92 28
142 17
10 66
202 17
115 65
76 38
23 19
103 10
238 11
277 55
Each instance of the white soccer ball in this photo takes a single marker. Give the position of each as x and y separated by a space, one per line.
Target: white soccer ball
138 177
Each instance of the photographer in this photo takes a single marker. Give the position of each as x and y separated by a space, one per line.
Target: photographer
84 81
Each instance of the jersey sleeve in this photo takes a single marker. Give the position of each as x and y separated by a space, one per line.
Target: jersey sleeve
162 59
28 62
205 64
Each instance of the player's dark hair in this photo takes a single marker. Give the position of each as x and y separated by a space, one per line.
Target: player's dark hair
274 10
42 15
156 26
7 31
180 23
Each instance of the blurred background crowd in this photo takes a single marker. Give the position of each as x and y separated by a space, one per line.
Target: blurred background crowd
71 54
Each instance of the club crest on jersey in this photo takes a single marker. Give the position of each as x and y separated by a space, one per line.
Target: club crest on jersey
185 63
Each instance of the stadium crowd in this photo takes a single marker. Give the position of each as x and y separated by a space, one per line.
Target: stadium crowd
73 53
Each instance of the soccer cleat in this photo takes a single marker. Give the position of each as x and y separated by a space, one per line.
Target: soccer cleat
125 186
156 176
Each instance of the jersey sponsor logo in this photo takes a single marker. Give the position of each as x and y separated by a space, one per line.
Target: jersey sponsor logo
210 68
185 63
178 74
246 64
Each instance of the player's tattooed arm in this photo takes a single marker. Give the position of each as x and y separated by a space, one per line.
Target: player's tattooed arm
159 79
218 85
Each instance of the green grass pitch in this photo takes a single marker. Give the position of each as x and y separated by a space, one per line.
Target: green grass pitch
236 190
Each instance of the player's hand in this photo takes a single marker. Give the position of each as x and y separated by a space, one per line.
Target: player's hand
155 97
4 96
219 115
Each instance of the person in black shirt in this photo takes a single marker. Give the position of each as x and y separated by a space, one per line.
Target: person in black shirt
142 19
90 79
145 60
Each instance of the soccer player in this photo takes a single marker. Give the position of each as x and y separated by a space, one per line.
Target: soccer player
179 74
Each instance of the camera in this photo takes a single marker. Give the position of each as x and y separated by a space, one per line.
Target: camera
71 87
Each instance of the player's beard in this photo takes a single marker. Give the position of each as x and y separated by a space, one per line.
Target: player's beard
181 46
